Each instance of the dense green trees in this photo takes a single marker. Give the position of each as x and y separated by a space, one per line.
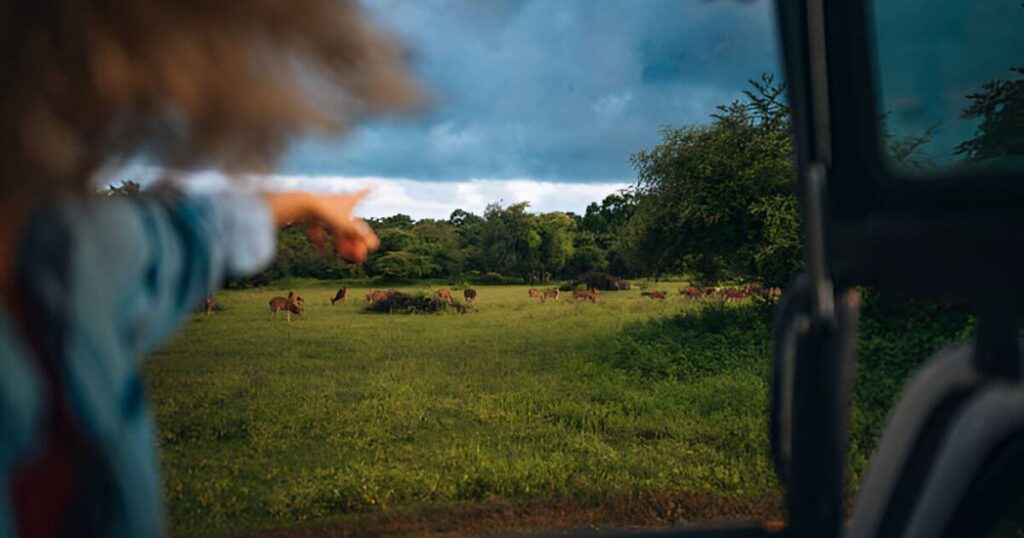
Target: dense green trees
717 201
714 201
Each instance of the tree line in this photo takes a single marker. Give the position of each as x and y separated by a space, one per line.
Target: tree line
713 201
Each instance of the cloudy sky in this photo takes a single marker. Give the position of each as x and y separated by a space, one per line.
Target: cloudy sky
540 100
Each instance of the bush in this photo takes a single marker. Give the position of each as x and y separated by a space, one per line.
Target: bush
896 336
716 339
414 303
403 265
602 281
259 280
493 278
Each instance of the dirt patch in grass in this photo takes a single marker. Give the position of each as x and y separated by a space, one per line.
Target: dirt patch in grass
501 517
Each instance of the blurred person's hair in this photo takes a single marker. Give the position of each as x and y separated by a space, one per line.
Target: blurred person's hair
184 83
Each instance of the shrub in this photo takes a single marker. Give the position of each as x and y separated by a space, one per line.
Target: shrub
602 281
716 339
896 336
414 303
493 278
259 280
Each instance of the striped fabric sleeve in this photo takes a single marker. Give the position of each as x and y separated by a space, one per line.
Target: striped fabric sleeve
246 232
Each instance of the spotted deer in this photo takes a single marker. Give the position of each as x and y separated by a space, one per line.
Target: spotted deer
342 296
291 305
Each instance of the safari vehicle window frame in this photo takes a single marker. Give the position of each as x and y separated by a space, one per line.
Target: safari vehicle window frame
938 236
862 181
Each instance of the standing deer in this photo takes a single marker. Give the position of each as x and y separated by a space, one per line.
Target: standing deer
469 294
549 294
446 294
209 304
342 296
291 305
587 295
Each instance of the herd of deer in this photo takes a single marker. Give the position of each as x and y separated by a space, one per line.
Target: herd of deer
592 295
469 294
373 296
293 304
693 292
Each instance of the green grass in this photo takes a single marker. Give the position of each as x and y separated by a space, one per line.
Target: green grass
267 423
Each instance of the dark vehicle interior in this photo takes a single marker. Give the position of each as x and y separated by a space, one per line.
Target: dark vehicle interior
951 460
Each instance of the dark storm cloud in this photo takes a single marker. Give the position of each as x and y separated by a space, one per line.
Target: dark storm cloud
552 90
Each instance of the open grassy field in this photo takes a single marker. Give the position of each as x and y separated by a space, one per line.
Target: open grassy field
515 415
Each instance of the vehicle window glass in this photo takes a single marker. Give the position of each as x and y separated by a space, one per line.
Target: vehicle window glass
950 84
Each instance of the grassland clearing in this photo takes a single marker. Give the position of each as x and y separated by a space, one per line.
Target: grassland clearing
347 416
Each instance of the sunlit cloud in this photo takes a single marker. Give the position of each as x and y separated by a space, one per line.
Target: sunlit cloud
418 199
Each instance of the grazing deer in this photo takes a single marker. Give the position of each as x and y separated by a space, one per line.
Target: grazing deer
342 296
587 295
377 295
446 294
693 292
534 293
469 294
291 305
209 304
549 294
591 295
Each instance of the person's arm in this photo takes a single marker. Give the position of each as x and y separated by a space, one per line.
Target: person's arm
121 273
327 214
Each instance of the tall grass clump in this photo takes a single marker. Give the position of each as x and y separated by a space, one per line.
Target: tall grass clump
897 335
415 303
715 339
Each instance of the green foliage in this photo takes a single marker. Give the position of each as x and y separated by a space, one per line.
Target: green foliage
492 278
296 257
714 340
714 201
342 413
717 200
780 252
510 238
604 223
896 336
268 423
586 258
556 241
601 281
415 303
403 265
